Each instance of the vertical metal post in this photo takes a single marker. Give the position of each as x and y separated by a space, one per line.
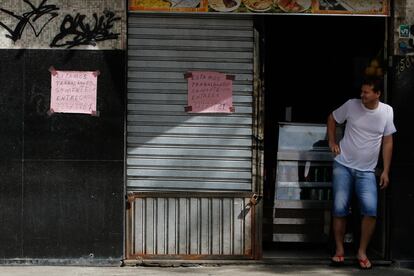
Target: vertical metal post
258 146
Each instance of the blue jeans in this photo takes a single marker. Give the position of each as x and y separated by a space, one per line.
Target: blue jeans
344 181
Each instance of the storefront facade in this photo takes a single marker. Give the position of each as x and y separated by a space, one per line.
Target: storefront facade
144 176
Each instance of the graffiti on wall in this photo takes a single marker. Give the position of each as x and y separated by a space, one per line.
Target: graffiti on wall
404 63
31 18
64 28
75 32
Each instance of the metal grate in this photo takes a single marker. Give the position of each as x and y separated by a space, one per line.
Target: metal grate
189 226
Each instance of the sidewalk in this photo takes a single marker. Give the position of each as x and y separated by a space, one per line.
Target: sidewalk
232 270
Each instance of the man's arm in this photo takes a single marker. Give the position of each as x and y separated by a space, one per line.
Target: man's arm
331 129
387 144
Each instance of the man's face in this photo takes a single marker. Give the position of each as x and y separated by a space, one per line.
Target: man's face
368 95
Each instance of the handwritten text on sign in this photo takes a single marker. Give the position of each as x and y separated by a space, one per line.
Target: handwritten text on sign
210 92
73 92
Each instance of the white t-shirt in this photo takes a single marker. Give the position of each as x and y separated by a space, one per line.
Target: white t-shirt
364 130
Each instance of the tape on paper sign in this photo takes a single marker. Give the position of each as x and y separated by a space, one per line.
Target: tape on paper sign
95 113
50 112
188 108
53 71
230 77
232 109
188 75
96 73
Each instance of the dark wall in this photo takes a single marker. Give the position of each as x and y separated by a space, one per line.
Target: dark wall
315 69
61 176
401 184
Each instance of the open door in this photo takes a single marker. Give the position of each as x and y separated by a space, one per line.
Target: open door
309 71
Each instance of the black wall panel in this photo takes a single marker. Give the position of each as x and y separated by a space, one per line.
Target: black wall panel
10 208
61 189
401 184
11 104
11 136
72 209
74 136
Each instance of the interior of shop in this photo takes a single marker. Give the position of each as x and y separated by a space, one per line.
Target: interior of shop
311 64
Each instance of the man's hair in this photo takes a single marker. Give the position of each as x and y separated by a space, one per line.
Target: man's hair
376 83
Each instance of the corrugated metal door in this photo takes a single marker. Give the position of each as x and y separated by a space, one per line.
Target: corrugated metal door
190 226
167 148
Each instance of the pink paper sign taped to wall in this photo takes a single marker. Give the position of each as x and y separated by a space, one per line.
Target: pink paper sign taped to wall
74 92
209 92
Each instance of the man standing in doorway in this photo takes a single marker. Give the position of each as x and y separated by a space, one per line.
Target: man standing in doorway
369 123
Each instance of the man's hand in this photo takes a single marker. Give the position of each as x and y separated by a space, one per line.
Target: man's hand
384 180
334 147
331 130
386 159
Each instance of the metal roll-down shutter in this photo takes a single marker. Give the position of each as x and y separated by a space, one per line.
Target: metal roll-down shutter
167 148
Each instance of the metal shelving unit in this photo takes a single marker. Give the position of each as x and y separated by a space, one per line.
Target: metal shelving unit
303 192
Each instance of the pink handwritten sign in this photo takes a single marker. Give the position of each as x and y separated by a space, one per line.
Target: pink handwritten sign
209 92
73 92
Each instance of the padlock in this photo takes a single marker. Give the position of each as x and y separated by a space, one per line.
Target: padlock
254 199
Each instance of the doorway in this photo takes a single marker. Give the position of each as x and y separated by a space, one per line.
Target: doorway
309 70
